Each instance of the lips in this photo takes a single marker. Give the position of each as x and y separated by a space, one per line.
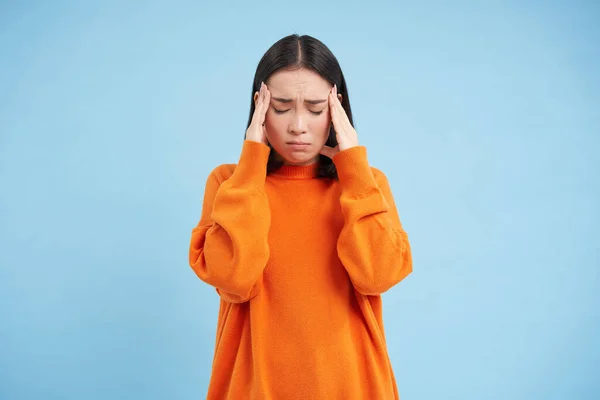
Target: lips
298 143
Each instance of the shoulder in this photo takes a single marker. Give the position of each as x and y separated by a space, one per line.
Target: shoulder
381 179
221 173
378 174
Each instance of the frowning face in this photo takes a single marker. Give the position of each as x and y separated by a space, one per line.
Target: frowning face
298 118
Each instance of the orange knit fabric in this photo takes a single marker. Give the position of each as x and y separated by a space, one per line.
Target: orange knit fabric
299 263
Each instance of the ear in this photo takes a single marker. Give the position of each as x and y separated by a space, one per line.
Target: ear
340 97
255 97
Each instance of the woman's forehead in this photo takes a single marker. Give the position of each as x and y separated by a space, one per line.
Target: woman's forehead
299 81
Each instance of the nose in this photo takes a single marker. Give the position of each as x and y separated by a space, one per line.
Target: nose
298 124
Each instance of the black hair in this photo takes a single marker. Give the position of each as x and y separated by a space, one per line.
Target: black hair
295 52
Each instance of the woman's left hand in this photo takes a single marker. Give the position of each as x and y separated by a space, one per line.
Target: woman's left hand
344 132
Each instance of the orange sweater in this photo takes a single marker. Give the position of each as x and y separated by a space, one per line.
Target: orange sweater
299 264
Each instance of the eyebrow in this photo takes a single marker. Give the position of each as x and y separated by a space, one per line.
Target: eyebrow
282 100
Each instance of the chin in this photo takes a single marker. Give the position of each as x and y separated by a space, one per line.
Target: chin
303 158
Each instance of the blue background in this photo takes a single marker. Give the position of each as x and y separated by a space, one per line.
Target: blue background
484 117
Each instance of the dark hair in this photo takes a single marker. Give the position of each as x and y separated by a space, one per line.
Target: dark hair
295 52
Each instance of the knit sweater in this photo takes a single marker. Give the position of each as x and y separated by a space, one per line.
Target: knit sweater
300 263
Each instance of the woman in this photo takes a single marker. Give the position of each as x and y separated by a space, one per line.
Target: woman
300 239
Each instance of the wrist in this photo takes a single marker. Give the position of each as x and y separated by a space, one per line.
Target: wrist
252 166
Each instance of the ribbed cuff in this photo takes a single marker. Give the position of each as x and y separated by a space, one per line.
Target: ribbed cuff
252 167
354 171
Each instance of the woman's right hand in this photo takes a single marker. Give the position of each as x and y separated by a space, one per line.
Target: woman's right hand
257 132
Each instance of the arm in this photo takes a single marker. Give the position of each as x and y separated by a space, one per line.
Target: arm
372 245
229 248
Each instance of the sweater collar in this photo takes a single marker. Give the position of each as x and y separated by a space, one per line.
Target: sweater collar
298 171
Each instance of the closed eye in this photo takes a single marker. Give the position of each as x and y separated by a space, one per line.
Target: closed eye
284 111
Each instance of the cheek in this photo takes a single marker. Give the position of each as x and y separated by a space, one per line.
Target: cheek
276 126
323 126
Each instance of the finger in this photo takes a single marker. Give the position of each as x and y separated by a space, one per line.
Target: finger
267 98
265 104
336 101
261 99
263 93
332 113
260 94
331 103
339 112
258 114
335 117
256 106
257 103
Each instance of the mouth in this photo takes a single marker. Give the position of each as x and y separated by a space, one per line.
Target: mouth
297 143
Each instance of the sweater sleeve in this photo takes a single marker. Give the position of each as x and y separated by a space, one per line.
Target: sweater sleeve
229 248
372 245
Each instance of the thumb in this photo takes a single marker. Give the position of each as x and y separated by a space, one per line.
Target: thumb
265 138
330 151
